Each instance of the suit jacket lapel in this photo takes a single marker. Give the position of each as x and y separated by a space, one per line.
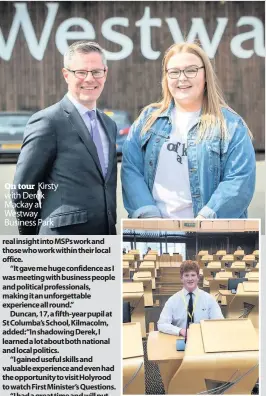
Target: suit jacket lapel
78 126
111 144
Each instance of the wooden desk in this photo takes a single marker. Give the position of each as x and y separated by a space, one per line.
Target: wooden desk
210 271
133 293
149 266
227 261
161 348
224 274
250 261
216 285
238 255
150 257
176 258
126 270
241 265
245 304
205 260
135 253
238 266
228 296
219 255
133 360
130 258
256 254
145 278
220 282
201 253
210 359
227 361
164 260
253 276
257 267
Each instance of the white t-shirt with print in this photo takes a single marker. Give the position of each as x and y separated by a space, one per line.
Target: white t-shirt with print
171 189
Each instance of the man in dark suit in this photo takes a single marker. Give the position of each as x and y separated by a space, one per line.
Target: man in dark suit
68 156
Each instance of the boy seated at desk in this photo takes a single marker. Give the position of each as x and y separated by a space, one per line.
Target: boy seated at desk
189 305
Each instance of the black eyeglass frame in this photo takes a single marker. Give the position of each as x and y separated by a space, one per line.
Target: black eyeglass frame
87 72
184 71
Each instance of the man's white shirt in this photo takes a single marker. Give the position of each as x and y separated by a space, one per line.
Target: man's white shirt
83 110
173 317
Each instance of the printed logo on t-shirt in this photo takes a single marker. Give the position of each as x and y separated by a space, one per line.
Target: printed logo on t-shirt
179 148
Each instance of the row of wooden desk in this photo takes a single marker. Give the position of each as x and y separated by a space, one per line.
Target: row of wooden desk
221 356
165 273
220 255
214 272
228 261
245 303
238 255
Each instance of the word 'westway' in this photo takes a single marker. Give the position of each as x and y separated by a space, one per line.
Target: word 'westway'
198 30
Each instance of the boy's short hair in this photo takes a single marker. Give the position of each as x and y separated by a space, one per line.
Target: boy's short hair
189 265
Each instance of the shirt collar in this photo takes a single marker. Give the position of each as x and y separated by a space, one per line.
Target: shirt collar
80 107
168 111
187 292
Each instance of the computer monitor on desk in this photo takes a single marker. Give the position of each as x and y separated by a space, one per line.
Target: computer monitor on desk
233 283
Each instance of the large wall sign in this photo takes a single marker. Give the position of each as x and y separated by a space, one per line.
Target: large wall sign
37 48
135 35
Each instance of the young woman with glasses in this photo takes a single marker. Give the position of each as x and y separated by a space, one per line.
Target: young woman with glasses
189 155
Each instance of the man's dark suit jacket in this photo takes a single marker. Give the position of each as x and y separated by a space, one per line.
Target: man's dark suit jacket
58 149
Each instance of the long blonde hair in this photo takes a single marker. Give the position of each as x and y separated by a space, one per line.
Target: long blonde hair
212 99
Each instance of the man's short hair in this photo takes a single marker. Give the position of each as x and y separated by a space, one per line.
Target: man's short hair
189 265
83 47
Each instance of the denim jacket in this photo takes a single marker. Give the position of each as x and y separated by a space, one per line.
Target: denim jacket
221 172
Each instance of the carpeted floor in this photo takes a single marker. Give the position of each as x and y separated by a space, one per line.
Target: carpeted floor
153 381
